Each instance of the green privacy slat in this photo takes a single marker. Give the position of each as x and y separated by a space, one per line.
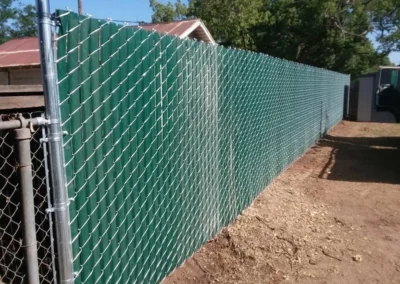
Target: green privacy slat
73 122
104 148
98 132
85 149
170 139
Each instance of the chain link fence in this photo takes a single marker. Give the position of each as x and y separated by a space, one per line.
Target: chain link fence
12 266
169 140
166 142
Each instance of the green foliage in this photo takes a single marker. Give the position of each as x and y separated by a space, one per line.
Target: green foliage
6 13
386 21
16 20
169 12
25 22
325 33
231 22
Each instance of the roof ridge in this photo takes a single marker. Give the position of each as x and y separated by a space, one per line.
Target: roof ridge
169 22
22 38
18 51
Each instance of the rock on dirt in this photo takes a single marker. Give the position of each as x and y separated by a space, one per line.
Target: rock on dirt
357 258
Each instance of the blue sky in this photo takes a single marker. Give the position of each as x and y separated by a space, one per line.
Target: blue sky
126 10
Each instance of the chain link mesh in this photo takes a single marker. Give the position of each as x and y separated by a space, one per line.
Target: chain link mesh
169 140
12 266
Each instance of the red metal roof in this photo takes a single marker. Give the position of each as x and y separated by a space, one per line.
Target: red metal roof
20 52
25 51
171 28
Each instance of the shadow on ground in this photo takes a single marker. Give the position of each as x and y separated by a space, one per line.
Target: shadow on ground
362 159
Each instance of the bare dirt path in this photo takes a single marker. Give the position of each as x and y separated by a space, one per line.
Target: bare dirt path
332 217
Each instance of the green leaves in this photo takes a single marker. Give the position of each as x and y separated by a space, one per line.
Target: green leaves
16 20
25 22
385 15
169 12
329 34
231 22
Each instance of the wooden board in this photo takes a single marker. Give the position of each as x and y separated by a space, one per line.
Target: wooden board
3 78
25 77
17 102
21 89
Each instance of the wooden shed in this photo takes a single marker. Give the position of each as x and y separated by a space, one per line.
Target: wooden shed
20 74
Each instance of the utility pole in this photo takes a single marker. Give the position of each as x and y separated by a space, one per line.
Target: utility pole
80 7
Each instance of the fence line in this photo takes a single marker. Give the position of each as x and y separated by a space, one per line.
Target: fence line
169 140
158 142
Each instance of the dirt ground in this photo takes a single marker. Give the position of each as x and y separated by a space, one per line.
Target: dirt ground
332 217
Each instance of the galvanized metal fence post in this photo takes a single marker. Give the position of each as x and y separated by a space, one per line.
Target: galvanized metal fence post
23 138
56 155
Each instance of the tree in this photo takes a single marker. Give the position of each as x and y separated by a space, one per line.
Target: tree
6 13
329 34
16 20
169 12
386 21
230 22
25 22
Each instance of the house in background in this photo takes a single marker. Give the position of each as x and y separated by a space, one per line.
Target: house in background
193 29
20 75
20 62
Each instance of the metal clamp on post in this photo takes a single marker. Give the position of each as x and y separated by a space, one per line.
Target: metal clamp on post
42 121
54 137
58 208
53 121
48 139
